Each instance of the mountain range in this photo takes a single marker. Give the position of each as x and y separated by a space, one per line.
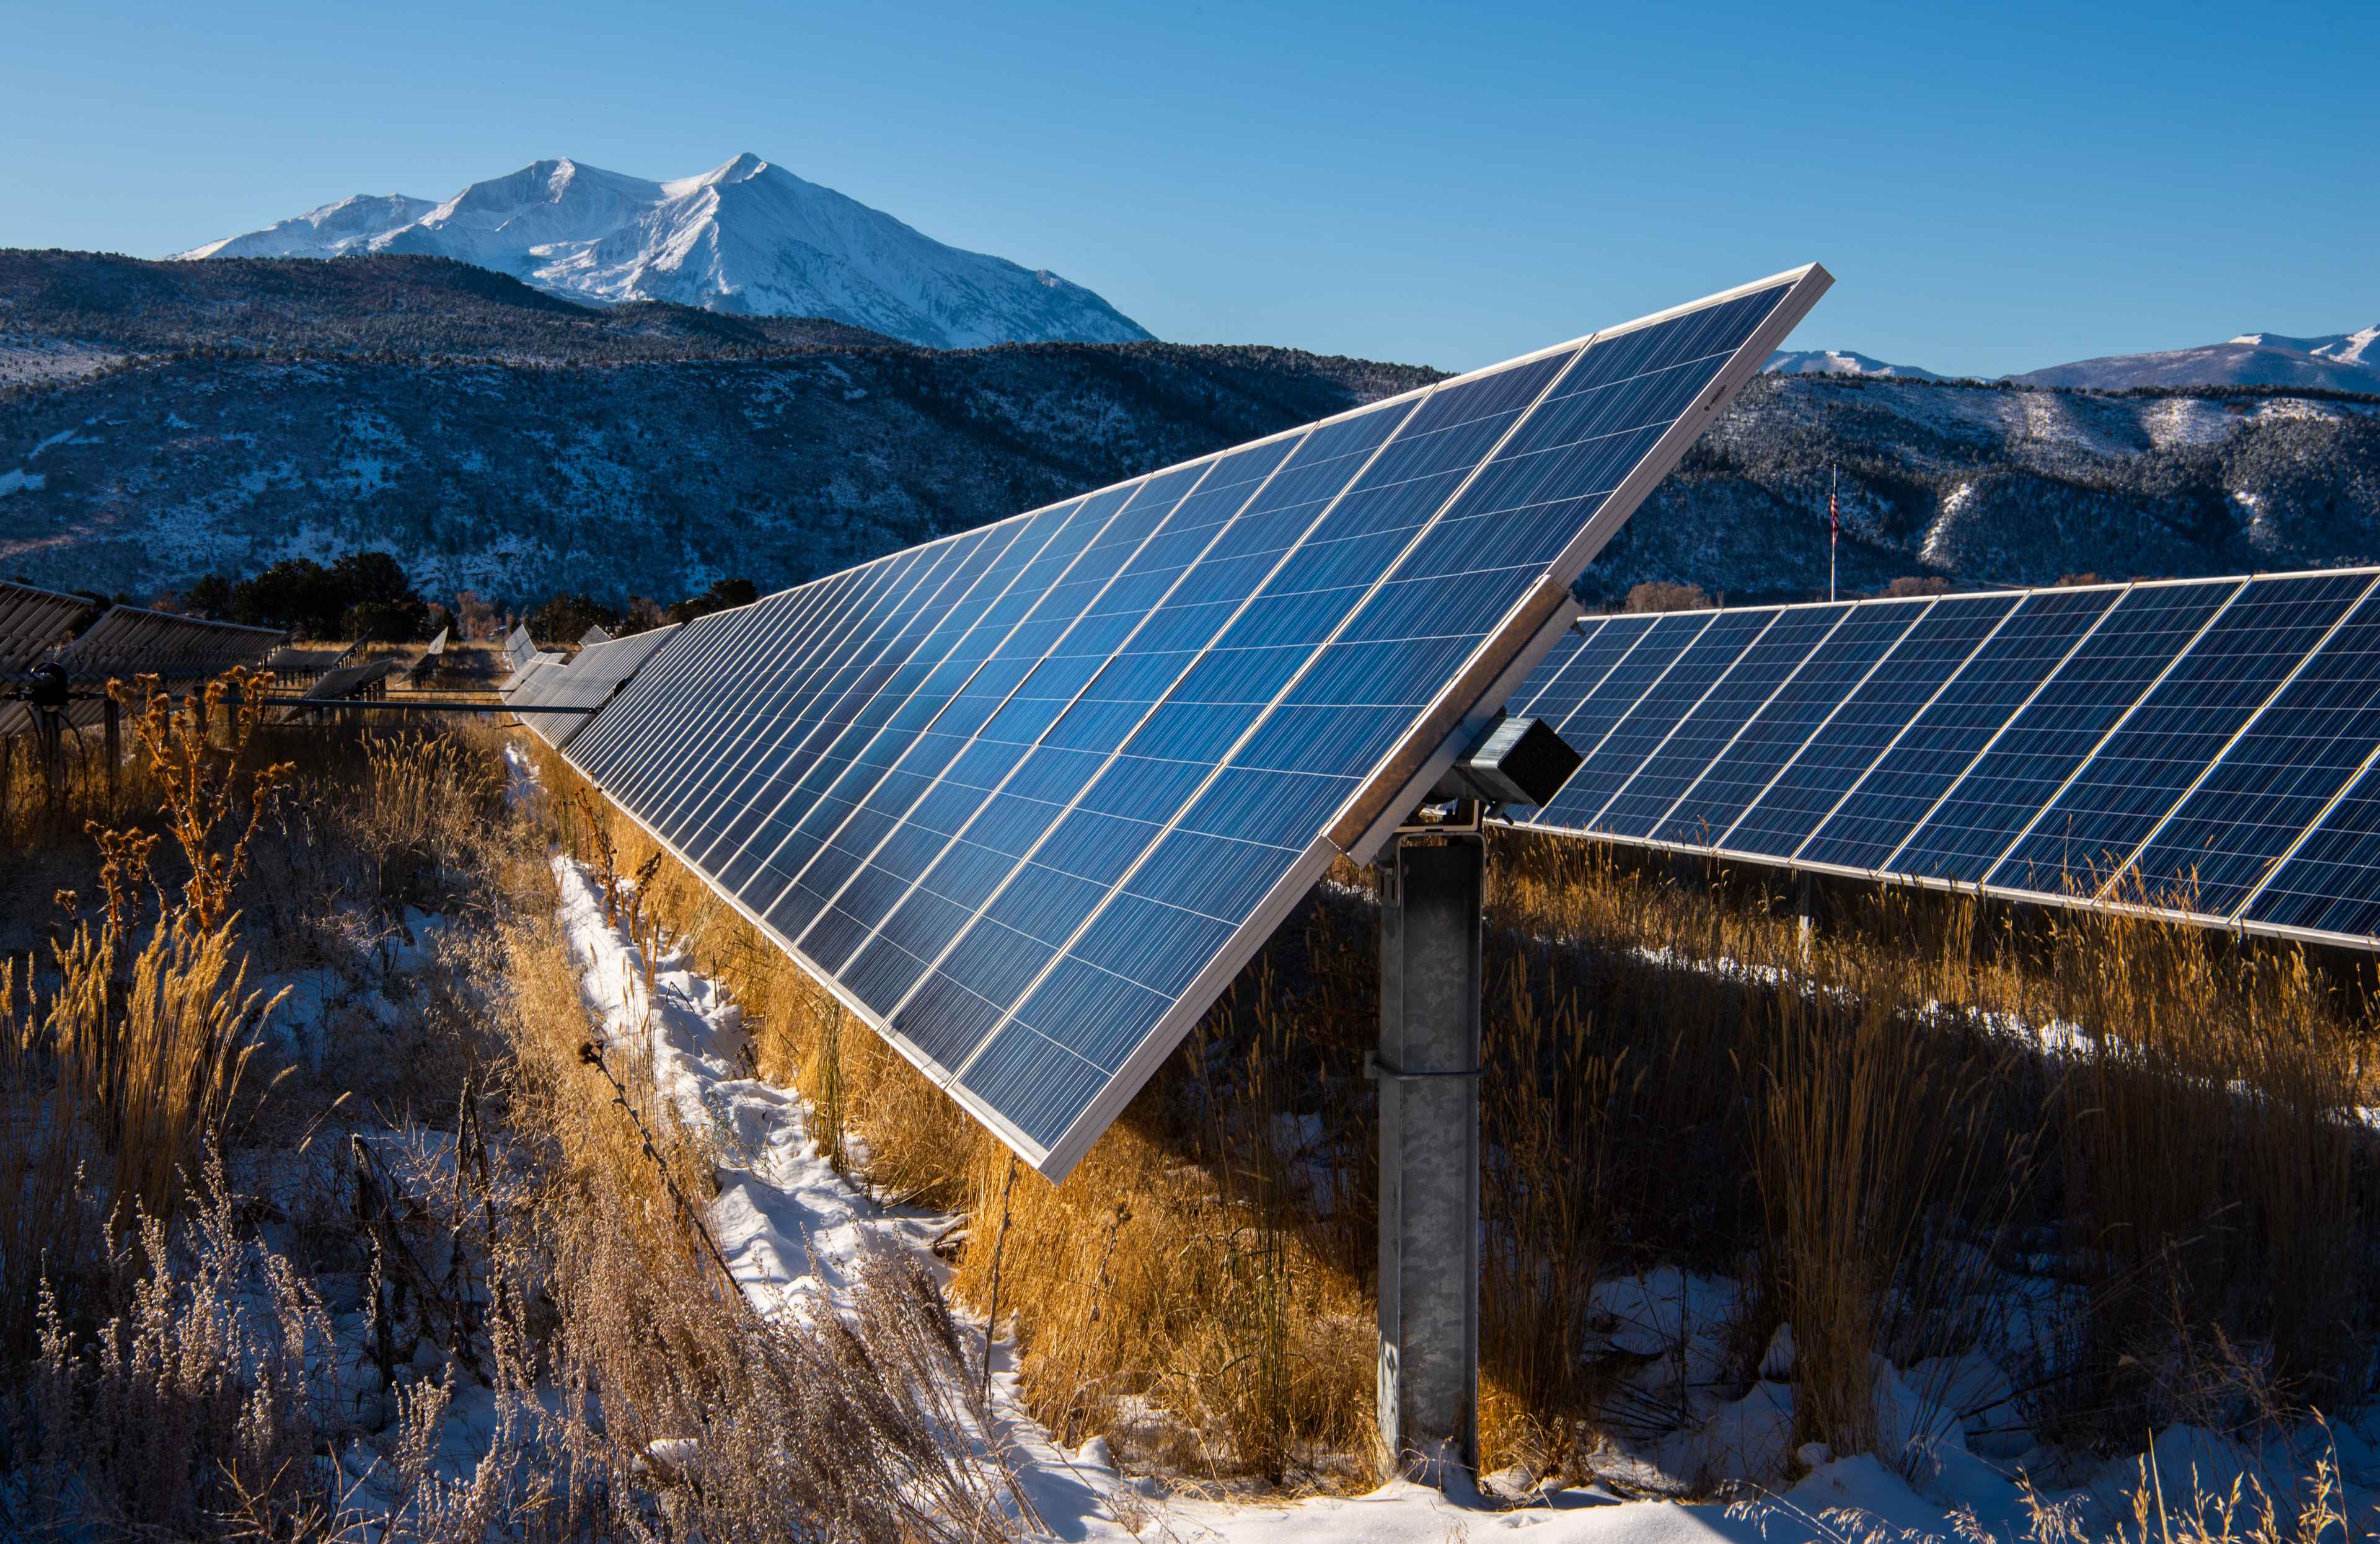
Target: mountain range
172 420
748 238
2339 362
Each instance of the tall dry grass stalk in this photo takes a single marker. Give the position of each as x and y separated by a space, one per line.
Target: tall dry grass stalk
1864 1120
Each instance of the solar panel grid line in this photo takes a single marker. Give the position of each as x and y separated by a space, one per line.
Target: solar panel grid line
1737 734
758 762
1687 711
1586 752
803 652
1604 668
793 649
1947 683
1123 647
1282 558
1732 780
992 656
987 621
1807 793
2362 770
1346 618
603 754
1017 766
1582 632
784 637
1000 579
2242 663
2246 728
1716 710
1224 527
2151 627
2030 696
996 547
1567 672
1818 729
1563 699
957 581
2172 663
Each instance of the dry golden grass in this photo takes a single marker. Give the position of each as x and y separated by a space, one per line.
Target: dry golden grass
1864 1119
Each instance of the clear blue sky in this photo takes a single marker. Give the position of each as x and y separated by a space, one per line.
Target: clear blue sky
1994 188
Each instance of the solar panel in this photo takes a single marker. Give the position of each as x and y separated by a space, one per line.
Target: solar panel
519 649
2205 748
1025 798
588 681
348 680
32 622
594 635
127 641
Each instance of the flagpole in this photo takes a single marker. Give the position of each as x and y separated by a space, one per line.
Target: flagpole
1834 530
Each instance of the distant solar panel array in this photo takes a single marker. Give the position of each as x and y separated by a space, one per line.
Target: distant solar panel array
31 624
1027 796
555 700
2204 748
126 642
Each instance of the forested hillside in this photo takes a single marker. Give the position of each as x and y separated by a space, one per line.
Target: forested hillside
181 420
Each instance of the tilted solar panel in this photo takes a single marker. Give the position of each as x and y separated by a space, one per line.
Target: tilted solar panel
1025 798
521 650
127 641
588 681
32 622
2205 748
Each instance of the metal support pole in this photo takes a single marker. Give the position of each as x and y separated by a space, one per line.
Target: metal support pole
1429 1068
49 737
1805 914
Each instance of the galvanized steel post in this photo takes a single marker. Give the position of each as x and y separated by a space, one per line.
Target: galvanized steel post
1428 1070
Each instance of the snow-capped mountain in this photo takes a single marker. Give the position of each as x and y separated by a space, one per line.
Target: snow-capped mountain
2342 361
747 236
1839 361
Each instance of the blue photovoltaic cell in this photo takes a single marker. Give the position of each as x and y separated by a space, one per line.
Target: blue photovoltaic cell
1870 721
2332 883
1652 648
1577 666
1981 814
1025 797
1879 812
1703 735
1732 779
2273 781
1720 639
2208 746
2139 773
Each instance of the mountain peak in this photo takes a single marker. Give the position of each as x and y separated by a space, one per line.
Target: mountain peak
1839 361
784 247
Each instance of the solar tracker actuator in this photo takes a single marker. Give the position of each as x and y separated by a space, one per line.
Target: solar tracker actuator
1520 761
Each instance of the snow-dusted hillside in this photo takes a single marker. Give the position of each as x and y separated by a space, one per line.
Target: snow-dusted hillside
748 237
2340 362
1839 361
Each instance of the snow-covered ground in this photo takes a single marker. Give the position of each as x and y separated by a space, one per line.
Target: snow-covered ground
794 1231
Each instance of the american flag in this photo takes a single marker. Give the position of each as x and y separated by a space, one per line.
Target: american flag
1834 515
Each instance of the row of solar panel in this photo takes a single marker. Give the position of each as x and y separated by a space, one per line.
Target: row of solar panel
1013 791
2208 747
555 697
125 643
